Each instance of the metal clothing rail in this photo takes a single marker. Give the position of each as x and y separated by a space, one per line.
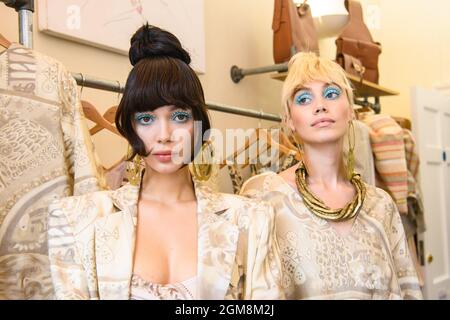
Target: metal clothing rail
25 9
237 74
116 86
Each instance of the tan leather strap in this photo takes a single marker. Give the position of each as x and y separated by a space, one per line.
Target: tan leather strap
277 10
355 28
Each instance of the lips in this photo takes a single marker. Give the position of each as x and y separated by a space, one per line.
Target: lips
163 156
162 153
323 122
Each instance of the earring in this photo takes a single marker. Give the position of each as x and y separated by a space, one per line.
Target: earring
133 167
202 168
351 149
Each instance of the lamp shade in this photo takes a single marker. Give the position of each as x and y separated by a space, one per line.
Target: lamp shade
330 16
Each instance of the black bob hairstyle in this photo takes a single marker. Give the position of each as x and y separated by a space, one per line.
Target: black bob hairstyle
161 76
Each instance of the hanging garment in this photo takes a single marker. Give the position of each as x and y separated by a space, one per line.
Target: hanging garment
415 206
46 153
236 177
288 161
364 163
386 138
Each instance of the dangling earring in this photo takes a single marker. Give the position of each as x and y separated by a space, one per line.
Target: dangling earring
202 169
133 167
351 149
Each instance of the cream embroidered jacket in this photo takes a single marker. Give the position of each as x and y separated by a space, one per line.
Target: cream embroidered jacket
91 246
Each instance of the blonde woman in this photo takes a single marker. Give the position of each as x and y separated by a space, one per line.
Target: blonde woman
339 237
165 236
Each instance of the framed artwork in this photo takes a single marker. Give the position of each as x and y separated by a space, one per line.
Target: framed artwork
109 24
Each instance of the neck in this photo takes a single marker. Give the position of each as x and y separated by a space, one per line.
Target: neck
324 164
167 187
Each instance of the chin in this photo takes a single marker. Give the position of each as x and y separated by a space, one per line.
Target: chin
324 137
165 168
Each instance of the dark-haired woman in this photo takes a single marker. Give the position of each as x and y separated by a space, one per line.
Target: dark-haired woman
165 236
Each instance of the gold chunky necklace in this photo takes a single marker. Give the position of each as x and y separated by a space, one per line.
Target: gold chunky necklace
316 206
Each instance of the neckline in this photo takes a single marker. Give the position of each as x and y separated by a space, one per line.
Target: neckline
146 282
326 222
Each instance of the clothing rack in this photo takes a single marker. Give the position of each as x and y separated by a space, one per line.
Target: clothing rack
116 86
25 9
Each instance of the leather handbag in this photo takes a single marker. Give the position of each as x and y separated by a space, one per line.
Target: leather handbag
351 65
356 41
293 30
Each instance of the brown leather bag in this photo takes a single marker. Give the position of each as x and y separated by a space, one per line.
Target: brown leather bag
356 41
293 30
351 65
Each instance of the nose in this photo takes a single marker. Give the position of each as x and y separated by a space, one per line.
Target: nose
164 132
321 107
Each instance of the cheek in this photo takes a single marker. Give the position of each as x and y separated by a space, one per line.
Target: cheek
147 134
299 118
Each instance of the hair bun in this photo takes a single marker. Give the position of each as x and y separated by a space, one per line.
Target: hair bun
152 42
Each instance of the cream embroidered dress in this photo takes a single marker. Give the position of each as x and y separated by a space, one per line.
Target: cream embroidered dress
372 261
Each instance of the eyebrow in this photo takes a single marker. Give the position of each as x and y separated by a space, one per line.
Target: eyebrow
307 88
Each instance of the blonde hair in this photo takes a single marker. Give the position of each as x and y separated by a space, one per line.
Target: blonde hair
305 67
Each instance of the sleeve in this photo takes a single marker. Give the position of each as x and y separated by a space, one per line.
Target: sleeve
68 272
404 266
252 188
263 279
80 155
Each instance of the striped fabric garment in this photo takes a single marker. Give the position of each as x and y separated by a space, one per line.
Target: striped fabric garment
412 161
388 147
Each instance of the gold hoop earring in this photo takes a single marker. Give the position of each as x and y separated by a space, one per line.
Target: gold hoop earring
133 168
351 149
201 169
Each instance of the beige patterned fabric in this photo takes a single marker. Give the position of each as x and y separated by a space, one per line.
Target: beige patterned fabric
371 262
91 246
141 289
45 154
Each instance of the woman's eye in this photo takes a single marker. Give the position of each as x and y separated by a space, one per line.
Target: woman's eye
145 119
332 93
303 99
181 116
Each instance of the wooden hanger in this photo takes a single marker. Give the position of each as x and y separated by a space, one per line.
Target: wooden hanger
271 143
5 43
109 115
92 114
247 144
403 122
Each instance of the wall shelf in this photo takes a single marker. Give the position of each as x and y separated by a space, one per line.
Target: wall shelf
364 89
